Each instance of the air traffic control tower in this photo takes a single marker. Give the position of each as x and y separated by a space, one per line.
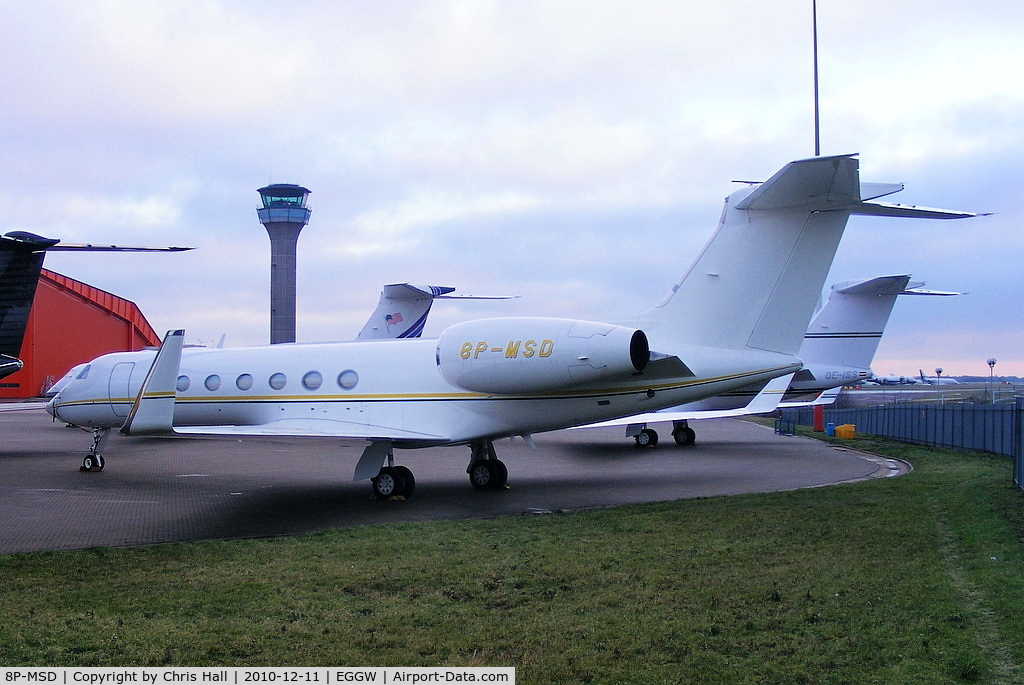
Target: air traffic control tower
284 214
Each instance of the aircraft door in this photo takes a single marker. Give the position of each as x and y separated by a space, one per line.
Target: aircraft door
118 390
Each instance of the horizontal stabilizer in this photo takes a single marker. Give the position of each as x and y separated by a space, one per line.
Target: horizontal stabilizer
910 211
406 291
888 285
153 409
819 183
89 247
873 191
880 285
928 291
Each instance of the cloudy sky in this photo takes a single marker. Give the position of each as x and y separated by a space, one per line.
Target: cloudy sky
573 153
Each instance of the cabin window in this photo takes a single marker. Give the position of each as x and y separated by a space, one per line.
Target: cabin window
278 381
312 380
244 382
183 383
348 379
212 382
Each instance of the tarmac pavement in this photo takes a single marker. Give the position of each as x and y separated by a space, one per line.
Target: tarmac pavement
155 490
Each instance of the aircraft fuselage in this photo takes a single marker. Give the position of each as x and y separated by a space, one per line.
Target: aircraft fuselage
380 389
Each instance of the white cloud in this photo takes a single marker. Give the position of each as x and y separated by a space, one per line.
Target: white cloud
574 153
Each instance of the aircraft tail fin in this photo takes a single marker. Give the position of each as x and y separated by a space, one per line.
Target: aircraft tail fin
847 329
403 308
21 259
756 282
402 311
153 409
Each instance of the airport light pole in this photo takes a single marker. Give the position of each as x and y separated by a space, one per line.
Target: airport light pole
938 382
991 370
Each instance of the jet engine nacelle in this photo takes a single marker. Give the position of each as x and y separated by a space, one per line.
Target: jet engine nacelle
526 355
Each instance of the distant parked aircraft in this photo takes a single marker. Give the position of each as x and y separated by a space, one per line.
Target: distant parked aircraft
937 380
21 260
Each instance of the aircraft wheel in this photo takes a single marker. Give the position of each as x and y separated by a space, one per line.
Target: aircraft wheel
389 483
92 462
685 436
488 474
500 474
410 480
648 437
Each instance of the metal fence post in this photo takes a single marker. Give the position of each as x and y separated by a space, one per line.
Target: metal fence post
1018 442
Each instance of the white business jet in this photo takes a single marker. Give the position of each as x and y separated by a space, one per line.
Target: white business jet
843 337
837 349
737 317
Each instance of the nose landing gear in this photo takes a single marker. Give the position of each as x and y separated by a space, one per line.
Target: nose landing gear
93 460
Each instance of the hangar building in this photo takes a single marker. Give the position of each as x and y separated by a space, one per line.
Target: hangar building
70 323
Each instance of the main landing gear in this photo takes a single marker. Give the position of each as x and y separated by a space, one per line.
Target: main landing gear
393 481
486 472
681 433
93 460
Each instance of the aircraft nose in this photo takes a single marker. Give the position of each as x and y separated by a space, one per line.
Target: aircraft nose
51 406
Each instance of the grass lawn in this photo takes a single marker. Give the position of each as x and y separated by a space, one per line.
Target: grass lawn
912 579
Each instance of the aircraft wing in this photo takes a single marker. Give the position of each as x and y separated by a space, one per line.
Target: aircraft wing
765 401
825 397
324 428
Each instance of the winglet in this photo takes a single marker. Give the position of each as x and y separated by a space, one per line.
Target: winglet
770 396
153 409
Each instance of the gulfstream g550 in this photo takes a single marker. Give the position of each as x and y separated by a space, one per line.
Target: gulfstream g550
737 317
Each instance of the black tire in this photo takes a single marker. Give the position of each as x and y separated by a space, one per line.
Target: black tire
482 474
500 474
685 436
388 483
410 480
648 437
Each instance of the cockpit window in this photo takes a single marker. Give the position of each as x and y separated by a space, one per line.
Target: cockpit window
84 373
